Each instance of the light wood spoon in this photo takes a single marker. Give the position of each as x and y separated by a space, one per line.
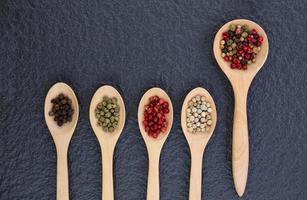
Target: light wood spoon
154 146
61 136
107 140
240 81
197 142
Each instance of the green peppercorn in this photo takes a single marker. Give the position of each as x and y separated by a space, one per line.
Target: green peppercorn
237 40
232 27
245 27
229 42
244 34
107 114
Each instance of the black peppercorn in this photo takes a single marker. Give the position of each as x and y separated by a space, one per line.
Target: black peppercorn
231 33
252 56
61 110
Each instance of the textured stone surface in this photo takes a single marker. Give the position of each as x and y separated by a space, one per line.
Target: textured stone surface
135 45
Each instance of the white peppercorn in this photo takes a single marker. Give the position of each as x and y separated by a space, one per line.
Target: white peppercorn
198 114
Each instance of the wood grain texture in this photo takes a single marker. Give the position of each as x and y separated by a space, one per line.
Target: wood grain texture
240 81
61 136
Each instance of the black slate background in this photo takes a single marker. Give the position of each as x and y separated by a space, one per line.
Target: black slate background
135 45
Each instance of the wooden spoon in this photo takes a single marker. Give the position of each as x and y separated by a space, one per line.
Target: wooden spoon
154 146
61 135
197 142
107 140
240 81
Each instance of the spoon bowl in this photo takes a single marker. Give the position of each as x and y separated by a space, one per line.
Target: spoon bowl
240 81
252 69
154 145
197 142
145 99
107 140
68 128
103 136
61 135
197 138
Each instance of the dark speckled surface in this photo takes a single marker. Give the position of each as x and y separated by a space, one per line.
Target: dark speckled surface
135 45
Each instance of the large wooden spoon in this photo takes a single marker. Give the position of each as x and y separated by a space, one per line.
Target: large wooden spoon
197 142
154 146
106 140
240 81
61 136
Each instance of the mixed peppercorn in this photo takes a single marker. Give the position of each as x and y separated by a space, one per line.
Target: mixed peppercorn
61 110
198 115
155 112
107 114
240 46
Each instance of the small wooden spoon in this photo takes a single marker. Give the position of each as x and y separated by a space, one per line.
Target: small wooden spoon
240 81
61 135
154 146
197 142
106 140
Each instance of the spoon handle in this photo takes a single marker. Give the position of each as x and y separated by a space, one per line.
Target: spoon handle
240 145
107 173
196 175
153 185
62 173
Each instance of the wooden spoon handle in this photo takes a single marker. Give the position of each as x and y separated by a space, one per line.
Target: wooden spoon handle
107 174
62 174
196 175
153 185
240 145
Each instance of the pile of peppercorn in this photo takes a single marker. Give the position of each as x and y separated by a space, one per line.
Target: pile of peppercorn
61 110
155 116
107 113
199 118
240 46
